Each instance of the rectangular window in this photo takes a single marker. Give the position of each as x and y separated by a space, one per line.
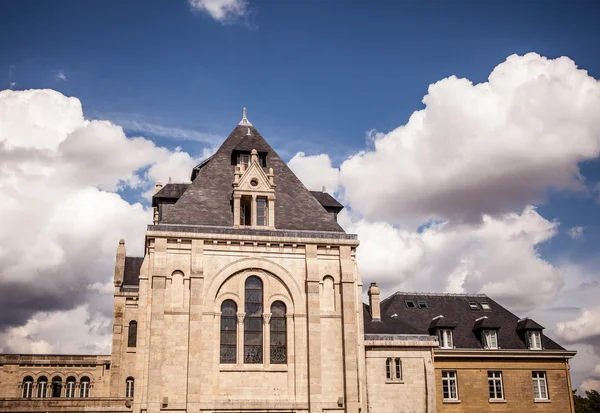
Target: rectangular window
474 306
262 212
422 304
445 337
485 306
388 369
495 385
540 388
398 364
246 210
490 339
535 340
449 386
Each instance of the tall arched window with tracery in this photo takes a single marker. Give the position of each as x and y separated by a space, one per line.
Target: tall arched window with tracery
132 334
253 322
228 331
278 333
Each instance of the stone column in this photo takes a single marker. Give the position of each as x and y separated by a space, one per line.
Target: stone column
236 210
313 305
253 210
271 211
240 338
267 339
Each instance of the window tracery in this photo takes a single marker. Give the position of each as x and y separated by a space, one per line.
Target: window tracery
278 333
253 322
228 332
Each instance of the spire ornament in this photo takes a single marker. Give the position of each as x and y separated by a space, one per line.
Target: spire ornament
244 121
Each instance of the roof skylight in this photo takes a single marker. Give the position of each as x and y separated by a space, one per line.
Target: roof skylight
474 306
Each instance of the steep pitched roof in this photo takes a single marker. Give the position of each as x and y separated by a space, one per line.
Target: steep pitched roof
327 200
169 191
398 318
132 271
208 199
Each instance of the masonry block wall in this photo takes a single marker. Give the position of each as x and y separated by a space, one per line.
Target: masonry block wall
183 282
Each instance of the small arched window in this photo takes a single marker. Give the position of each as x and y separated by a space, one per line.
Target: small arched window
278 333
56 386
42 387
228 331
28 387
129 387
70 387
328 294
253 322
132 334
84 387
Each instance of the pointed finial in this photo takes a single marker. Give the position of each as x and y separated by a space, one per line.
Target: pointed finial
244 121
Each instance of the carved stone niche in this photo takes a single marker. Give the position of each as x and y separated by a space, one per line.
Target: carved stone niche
253 196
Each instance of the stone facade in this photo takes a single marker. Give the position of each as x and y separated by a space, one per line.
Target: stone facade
248 299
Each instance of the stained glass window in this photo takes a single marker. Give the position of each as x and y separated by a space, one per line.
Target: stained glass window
253 322
228 331
278 333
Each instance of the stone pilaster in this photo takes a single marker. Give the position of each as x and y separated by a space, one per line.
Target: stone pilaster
313 305
350 330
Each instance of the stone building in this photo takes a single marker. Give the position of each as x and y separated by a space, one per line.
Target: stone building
486 359
247 299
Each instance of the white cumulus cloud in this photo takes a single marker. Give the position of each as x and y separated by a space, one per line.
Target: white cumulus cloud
485 148
315 172
61 218
223 11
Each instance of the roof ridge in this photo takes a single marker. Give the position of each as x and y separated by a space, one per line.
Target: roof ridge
397 293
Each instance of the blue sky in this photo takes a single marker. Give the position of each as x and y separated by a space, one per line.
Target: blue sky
316 76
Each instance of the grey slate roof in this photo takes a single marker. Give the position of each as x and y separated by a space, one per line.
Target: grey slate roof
132 271
208 199
169 191
456 311
326 200
528 324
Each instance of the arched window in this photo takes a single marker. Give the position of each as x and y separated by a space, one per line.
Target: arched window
278 333
70 387
84 387
253 322
132 334
42 386
56 386
28 387
228 331
129 387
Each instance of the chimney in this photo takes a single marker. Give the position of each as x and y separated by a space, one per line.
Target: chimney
374 301
120 264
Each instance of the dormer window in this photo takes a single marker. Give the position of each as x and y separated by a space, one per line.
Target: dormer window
445 337
243 161
253 193
534 340
490 339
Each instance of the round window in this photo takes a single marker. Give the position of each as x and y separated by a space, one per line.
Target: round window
254 182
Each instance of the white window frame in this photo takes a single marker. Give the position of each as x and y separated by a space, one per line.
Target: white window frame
495 385
397 369
84 389
70 389
27 389
490 338
534 340
450 380
540 386
445 337
42 389
129 388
